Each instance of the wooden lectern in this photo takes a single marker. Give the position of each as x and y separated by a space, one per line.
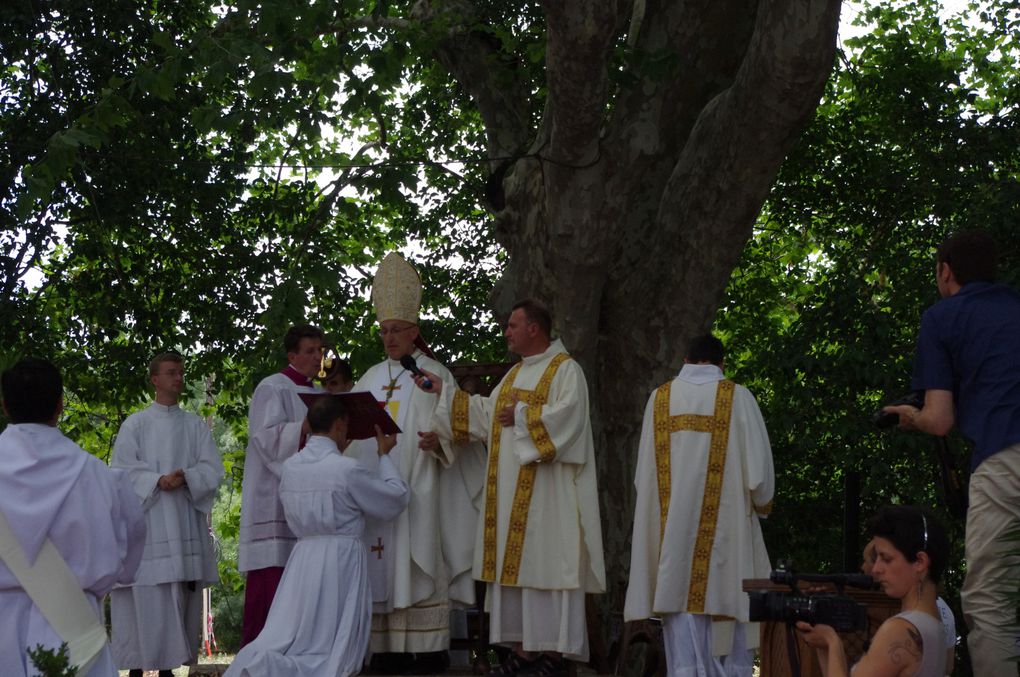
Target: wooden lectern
775 661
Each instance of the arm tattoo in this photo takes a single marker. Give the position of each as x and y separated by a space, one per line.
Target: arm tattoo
901 651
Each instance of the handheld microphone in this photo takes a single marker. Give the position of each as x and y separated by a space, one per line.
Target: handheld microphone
408 363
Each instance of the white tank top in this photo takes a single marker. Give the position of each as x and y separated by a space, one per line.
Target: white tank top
933 634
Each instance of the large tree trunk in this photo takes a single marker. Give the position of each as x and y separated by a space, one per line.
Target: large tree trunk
632 206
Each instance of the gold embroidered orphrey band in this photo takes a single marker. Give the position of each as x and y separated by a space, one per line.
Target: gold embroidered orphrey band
459 417
718 425
492 478
525 476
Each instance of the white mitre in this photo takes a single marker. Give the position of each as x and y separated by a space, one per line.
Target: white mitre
396 290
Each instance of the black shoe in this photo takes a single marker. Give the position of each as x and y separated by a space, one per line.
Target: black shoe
429 663
389 663
546 666
513 665
134 673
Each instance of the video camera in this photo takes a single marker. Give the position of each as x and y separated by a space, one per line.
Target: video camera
843 613
889 419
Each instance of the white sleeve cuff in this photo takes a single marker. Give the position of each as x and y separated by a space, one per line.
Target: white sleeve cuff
521 422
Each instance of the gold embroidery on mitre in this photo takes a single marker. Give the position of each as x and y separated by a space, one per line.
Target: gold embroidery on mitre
526 474
396 290
459 417
492 480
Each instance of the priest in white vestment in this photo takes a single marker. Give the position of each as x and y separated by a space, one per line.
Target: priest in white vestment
175 469
51 491
319 622
420 562
539 542
276 431
704 480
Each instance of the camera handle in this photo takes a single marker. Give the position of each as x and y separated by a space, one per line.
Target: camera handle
792 650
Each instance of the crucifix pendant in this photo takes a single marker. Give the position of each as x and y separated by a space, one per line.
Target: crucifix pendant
378 549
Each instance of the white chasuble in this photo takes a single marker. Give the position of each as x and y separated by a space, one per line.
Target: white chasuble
414 557
704 479
540 530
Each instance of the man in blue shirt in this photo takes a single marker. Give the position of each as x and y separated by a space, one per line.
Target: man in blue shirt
968 365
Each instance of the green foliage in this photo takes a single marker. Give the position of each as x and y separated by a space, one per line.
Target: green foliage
228 595
199 179
52 663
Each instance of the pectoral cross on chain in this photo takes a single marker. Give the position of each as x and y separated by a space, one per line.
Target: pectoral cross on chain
378 548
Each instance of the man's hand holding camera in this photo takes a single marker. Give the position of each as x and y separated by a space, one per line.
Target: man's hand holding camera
935 417
907 415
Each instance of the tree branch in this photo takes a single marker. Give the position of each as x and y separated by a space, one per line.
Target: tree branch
475 59
375 23
377 113
492 78
718 187
684 54
580 34
14 271
708 206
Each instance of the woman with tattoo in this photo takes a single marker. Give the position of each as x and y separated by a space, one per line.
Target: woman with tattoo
945 613
911 550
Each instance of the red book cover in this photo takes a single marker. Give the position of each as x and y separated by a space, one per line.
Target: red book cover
363 414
